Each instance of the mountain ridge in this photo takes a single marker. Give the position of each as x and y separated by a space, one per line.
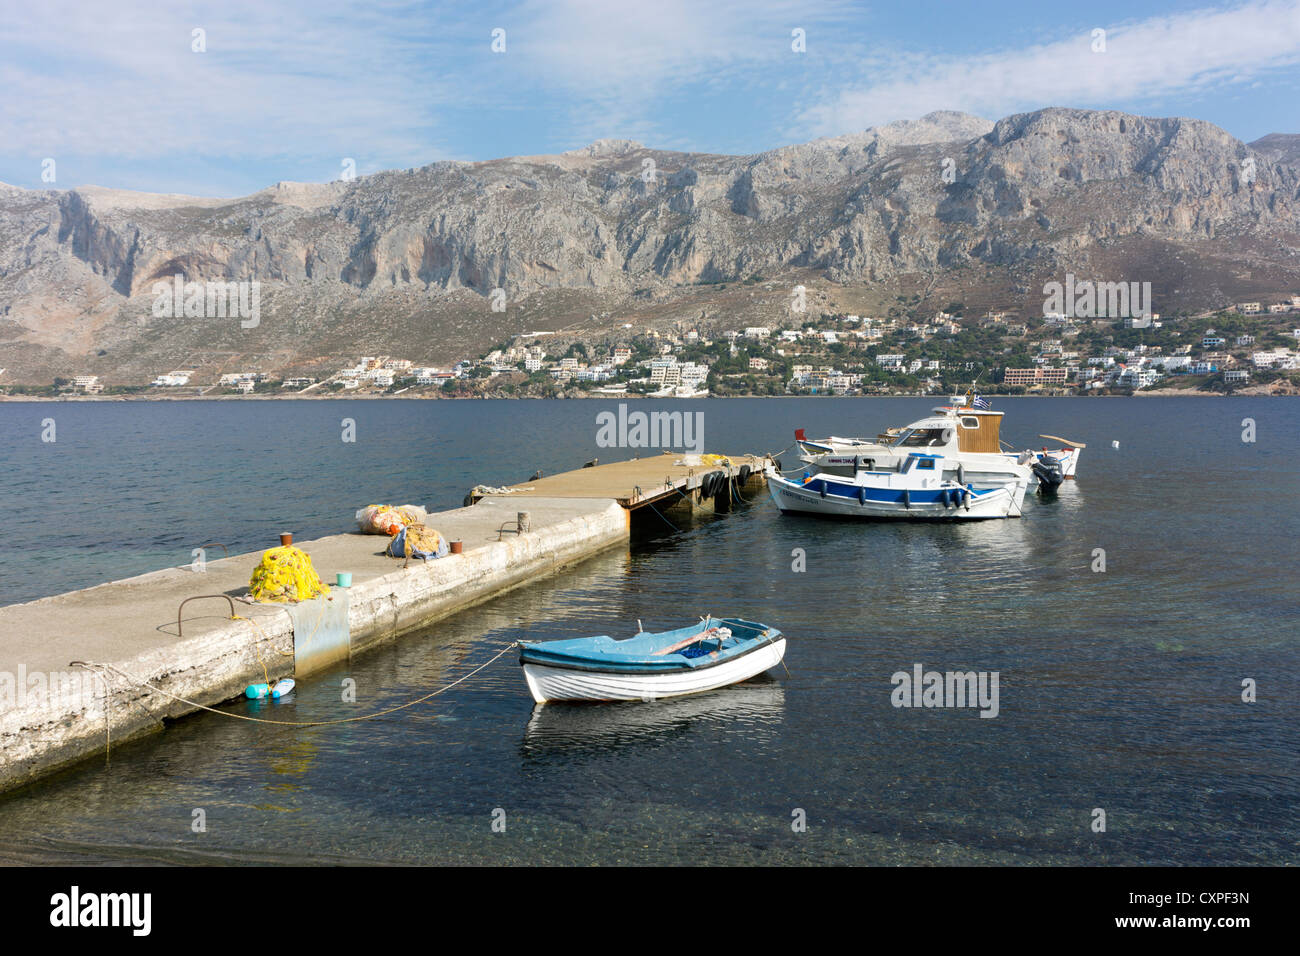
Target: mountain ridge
408 260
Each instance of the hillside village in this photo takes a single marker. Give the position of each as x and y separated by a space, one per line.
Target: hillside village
1255 343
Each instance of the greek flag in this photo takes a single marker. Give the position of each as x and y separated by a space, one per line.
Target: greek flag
981 402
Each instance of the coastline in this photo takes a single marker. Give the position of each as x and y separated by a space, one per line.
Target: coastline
1156 393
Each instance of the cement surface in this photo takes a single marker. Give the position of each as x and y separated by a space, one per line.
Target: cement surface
122 619
619 480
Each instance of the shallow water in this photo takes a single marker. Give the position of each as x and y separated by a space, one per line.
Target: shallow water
1118 690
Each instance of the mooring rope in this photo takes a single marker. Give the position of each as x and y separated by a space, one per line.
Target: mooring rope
108 708
91 665
691 501
665 520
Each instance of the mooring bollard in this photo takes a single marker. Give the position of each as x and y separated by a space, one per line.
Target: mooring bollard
457 547
524 522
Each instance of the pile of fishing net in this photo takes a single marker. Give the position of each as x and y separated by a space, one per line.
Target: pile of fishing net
417 541
388 519
285 574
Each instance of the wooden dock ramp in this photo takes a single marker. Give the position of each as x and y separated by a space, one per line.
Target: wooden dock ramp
661 480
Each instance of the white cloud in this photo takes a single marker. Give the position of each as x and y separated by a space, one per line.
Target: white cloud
618 62
300 84
1184 53
110 79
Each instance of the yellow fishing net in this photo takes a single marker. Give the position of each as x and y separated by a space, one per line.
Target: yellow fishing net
285 574
722 460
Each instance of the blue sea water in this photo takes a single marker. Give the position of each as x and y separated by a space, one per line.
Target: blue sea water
1119 691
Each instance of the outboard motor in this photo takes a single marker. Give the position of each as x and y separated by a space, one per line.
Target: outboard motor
1049 473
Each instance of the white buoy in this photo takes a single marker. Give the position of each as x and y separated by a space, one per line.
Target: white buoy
1114 444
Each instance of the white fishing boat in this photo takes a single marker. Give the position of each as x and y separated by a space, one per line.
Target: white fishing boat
968 438
1066 458
689 660
916 490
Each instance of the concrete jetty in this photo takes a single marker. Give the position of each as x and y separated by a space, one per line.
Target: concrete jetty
53 714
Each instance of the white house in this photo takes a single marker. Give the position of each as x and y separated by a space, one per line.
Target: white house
694 375
172 379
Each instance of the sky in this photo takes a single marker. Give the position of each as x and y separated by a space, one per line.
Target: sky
229 97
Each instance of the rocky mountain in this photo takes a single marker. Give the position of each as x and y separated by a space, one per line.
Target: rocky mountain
1279 147
406 262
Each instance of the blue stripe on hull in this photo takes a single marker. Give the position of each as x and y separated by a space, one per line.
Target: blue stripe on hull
878 494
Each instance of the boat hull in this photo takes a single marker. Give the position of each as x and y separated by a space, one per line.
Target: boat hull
548 682
981 472
792 498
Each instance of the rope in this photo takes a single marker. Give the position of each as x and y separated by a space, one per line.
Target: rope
691 502
108 713
90 665
256 650
665 520
108 710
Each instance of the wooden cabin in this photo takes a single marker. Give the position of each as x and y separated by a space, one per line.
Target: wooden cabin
978 430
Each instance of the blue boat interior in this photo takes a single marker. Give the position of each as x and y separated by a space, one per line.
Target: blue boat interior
648 651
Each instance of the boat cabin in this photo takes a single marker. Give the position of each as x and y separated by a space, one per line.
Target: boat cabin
975 430
978 430
929 465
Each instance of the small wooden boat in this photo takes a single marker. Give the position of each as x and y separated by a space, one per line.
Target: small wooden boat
689 660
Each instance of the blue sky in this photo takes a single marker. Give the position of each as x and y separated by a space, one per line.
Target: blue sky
115 95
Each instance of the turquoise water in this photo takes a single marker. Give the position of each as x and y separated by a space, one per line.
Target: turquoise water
1118 690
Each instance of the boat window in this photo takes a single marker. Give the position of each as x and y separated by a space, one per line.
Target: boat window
925 464
969 422
922 438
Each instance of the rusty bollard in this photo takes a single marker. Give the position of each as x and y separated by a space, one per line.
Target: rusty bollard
524 521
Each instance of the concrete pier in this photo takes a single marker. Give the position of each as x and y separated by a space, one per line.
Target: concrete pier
53 714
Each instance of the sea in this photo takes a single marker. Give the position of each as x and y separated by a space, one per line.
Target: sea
1141 627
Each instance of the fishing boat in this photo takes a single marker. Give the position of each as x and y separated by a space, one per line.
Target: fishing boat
1065 459
968 437
701 657
916 490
